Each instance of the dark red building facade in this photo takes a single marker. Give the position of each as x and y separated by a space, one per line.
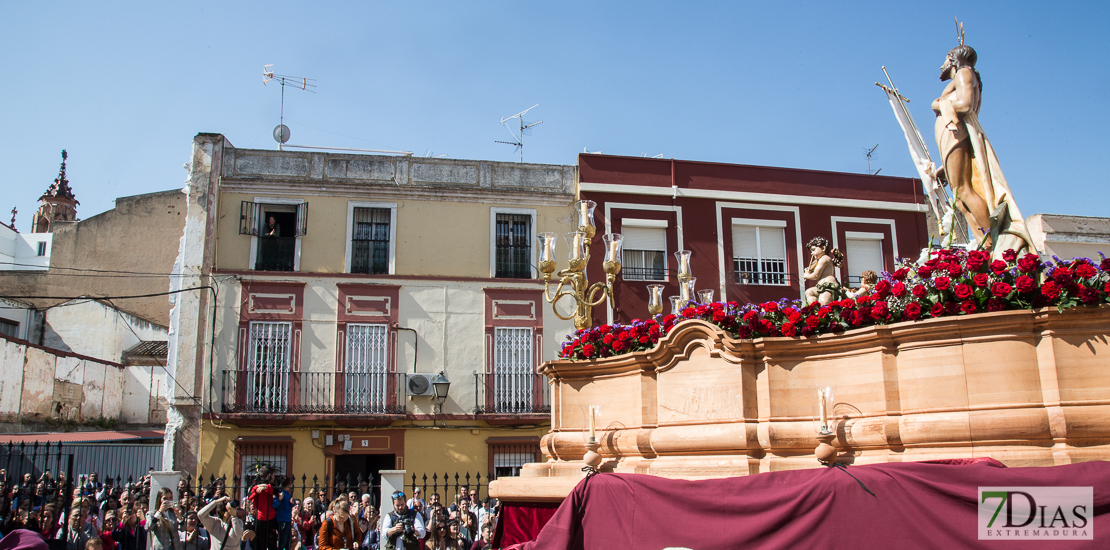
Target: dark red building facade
746 225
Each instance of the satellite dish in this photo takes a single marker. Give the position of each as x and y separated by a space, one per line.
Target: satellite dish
281 133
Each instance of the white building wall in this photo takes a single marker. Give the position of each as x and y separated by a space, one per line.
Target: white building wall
37 384
88 327
19 252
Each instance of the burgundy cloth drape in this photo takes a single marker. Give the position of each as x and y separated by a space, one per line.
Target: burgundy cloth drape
522 522
915 505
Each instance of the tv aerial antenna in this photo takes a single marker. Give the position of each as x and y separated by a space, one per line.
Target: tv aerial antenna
281 133
870 154
525 128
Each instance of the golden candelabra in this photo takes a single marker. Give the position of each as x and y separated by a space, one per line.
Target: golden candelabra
572 280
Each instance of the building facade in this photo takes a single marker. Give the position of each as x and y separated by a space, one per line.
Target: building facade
747 226
344 286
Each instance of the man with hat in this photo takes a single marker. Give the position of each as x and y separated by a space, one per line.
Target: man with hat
403 527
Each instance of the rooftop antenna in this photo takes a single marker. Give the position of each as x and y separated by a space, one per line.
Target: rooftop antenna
281 133
518 141
870 155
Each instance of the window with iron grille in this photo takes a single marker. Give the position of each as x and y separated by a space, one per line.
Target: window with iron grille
644 252
253 456
508 458
370 240
759 255
513 241
365 379
514 370
268 366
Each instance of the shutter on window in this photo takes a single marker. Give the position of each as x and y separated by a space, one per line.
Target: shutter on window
864 254
772 243
248 217
743 241
645 238
302 219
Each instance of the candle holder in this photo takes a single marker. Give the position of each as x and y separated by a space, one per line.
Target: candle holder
677 305
592 458
705 296
824 424
573 282
655 299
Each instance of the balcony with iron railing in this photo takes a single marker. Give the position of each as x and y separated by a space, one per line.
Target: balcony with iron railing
286 392
512 398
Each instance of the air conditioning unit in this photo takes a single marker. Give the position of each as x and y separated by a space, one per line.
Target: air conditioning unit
419 384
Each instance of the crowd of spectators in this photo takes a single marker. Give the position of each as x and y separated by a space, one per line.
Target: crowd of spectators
95 514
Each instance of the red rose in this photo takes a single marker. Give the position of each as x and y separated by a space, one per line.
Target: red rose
880 310
919 291
719 316
789 330
836 328
1106 288
901 274
813 322
913 310
898 289
767 326
1050 290
770 306
588 350
968 307
669 319
1009 255
994 304
624 336
998 267
925 271
608 339
1088 295
654 330
1029 263
1001 289
937 310
882 288
981 280
963 291
942 283
604 329
1086 271
978 256
689 312
751 317
857 319
618 346
1025 284
954 269
1062 275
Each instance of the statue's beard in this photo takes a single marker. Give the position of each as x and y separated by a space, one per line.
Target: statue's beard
947 70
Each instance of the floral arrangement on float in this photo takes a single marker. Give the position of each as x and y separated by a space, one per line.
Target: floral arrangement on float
948 282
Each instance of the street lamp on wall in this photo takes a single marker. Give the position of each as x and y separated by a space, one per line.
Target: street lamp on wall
440 386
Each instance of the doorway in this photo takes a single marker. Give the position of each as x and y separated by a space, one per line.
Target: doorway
361 473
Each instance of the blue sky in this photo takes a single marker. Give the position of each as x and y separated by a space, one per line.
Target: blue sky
125 87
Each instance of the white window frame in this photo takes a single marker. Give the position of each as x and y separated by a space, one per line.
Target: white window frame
351 205
523 386
650 224
297 243
722 265
381 393
864 236
493 212
757 224
281 393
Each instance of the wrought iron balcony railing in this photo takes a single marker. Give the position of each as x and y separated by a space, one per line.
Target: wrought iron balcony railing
289 392
512 394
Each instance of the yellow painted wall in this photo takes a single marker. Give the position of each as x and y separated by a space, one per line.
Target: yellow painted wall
443 238
427 451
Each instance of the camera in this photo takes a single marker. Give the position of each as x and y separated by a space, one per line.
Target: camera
410 527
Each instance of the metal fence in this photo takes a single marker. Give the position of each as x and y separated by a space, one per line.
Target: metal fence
448 485
40 476
124 460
